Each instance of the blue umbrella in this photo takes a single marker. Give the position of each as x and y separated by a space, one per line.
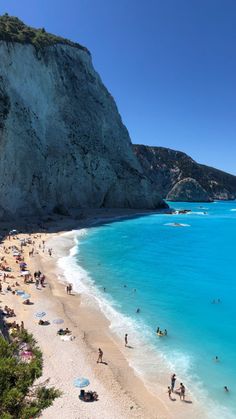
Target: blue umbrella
81 382
40 314
20 292
58 321
25 296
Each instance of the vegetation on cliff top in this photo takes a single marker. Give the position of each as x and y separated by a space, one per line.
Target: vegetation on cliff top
13 29
19 396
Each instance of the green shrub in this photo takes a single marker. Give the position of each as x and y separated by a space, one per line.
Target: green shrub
13 29
19 396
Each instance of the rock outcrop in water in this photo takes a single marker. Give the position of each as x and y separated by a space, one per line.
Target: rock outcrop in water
188 190
62 140
166 167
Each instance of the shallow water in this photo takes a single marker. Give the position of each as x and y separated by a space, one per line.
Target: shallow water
172 273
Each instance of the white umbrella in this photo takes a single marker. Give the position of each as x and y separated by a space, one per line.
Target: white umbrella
13 232
23 273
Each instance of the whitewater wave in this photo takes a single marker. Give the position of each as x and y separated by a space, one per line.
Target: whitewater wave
197 213
177 225
145 354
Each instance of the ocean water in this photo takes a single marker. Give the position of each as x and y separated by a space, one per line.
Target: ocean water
172 274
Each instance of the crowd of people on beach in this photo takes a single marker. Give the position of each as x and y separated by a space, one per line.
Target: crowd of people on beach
12 284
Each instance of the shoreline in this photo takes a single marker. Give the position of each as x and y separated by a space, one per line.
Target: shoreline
117 384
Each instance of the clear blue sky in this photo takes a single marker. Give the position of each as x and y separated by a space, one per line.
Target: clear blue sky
170 65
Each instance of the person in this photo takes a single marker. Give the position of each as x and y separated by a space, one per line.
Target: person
173 380
165 332
169 392
226 389
138 310
22 326
0 286
100 355
181 391
158 329
216 359
126 339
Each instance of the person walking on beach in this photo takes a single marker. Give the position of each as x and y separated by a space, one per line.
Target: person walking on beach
126 339
100 355
181 390
169 392
173 380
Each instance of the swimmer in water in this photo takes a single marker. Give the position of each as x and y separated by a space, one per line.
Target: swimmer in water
226 389
138 310
158 330
216 359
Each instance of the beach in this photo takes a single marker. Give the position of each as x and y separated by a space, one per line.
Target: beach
122 394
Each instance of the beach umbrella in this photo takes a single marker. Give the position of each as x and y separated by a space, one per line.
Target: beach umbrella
20 292
16 253
13 232
40 314
81 382
25 296
58 321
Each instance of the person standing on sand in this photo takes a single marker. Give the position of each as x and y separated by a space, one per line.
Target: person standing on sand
173 380
126 339
100 355
181 390
169 392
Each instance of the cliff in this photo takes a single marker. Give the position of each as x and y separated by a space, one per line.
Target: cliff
166 167
188 190
62 140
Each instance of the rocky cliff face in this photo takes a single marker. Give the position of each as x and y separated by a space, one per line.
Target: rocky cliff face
188 190
166 167
62 140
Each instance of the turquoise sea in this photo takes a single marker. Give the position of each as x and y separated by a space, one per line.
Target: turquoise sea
172 274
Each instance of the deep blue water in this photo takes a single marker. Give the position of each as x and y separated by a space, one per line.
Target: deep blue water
173 274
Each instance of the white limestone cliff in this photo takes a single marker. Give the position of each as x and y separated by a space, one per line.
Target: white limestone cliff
62 140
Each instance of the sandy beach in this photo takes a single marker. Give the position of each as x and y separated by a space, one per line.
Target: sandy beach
121 393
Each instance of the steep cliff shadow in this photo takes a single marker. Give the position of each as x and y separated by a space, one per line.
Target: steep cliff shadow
78 219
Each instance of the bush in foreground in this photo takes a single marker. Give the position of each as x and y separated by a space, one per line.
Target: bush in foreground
19 396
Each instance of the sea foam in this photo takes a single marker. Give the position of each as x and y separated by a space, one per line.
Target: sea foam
151 365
